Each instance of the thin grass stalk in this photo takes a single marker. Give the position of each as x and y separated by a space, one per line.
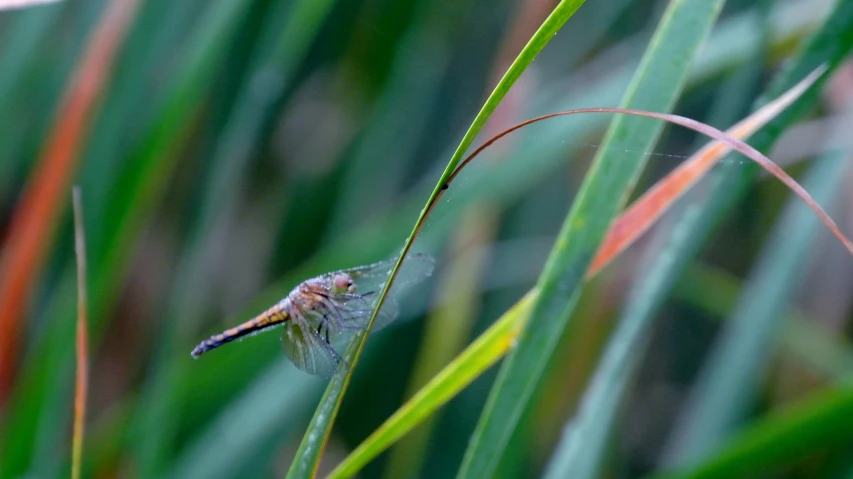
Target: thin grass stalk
35 218
130 200
82 376
720 136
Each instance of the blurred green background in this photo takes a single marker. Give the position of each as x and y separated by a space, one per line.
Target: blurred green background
238 147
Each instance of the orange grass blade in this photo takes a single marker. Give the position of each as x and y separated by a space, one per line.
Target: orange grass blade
35 217
82 379
641 215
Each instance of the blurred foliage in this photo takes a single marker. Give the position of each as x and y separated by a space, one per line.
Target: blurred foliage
241 146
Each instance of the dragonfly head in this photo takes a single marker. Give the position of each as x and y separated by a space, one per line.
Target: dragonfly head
342 283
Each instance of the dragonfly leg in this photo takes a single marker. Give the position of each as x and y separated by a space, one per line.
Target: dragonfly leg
336 313
324 342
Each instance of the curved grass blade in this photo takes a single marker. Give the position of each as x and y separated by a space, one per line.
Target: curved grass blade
32 226
436 392
82 377
646 210
308 455
830 45
659 79
772 168
827 50
728 383
655 202
586 437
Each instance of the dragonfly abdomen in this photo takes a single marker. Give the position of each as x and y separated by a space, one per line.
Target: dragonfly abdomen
271 317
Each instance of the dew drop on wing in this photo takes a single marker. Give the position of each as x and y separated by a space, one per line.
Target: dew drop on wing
308 352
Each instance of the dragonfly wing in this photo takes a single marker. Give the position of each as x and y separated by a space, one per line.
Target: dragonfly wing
389 312
415 268
371 278
353 311
308 350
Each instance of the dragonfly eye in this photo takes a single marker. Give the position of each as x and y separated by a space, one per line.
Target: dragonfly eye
343 283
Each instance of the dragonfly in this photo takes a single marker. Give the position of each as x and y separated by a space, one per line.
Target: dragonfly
325 308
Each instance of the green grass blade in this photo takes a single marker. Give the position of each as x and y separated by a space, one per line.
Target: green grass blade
399 120
823 420
22 39
586 438
262 414
233 369
470 364
287 34
159 30
804 338
656 85
826 46
447 328
308 455
229 369
728 384
131 201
